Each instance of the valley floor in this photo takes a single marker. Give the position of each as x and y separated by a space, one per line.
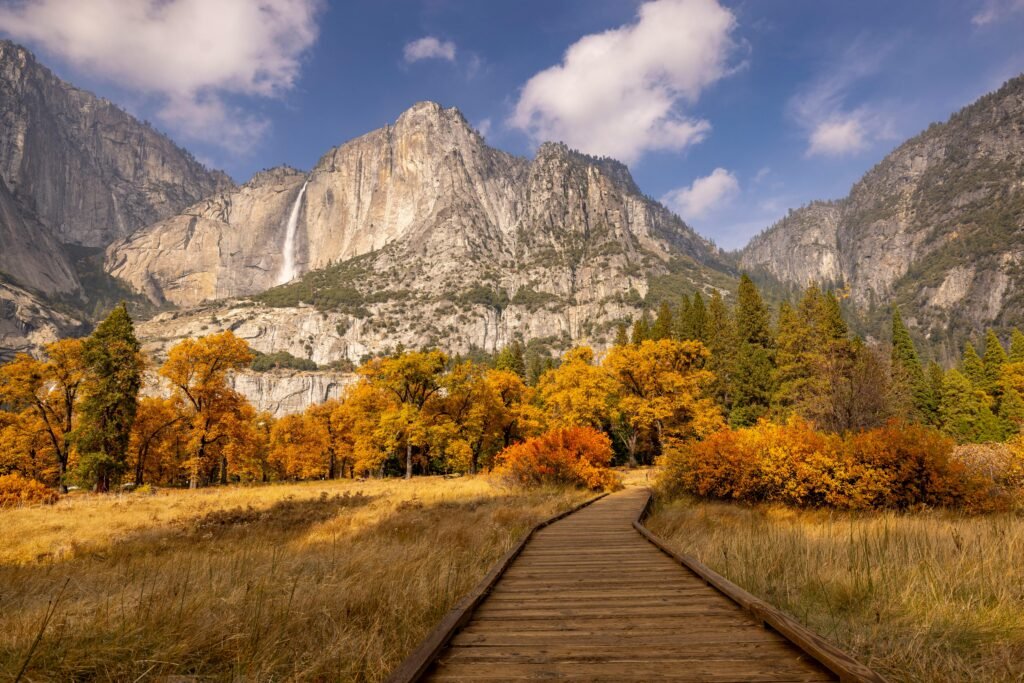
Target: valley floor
313 581
932 596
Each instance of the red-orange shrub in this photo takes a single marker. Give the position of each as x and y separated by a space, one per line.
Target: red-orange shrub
18 490
574 456
896 466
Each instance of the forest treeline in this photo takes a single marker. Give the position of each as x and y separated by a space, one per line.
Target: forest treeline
699 368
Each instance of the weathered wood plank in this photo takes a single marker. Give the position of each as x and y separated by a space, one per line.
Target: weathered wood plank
589 598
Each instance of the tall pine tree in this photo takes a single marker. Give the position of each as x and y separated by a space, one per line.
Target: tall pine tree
972 367
662 327
1017 346
753 371
114 377
909 388
993 361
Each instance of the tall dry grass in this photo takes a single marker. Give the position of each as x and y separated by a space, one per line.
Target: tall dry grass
932 596
314 581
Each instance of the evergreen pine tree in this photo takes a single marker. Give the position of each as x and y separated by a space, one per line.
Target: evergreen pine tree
1011 413
641 329
114 378
512 358
698 318
966 411
993 361
792 372
683 328
621 335
662 327
910 390
1016 346
721 342
972 367
753 371
934 376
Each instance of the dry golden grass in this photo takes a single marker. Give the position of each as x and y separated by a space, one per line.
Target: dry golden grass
313 581
932 596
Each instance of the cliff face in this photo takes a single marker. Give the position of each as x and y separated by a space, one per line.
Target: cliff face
937 227
87 170
29 253
27 322
418 233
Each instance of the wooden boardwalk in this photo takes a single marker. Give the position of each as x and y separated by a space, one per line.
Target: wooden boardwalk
589 598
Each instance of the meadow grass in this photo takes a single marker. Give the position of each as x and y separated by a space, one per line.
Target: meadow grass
929 596
313 581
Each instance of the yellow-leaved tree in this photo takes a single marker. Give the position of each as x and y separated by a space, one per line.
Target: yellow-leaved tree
577 392
49 388
662 391
412 380
212 411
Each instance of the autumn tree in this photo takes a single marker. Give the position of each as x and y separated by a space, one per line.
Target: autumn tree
661 389
113 370
412 379
151 447
51 389
298 443
198 370
577 392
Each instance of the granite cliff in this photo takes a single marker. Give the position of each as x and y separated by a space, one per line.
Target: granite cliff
936 227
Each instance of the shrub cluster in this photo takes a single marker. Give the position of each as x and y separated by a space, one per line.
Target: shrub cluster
17 490
574 456
897 466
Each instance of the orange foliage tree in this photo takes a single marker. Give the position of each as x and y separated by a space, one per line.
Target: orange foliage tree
198 369
575 456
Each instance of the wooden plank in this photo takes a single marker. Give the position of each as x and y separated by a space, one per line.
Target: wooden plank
835 660
417 663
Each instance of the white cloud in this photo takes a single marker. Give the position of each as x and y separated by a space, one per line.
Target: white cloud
703 195
191 55
484 127
763 173
620 93
429 47
993 10
838 136
834 128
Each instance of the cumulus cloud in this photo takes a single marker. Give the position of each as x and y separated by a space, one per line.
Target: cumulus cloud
622 93
833 127
192 56
429 47
704 195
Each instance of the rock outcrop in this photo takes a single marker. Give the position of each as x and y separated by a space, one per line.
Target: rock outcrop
937 226
27 322
83 167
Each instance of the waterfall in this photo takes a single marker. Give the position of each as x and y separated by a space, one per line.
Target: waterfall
288 256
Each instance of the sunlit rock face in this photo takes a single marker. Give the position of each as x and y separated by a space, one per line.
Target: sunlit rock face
428 237
937 226
86 169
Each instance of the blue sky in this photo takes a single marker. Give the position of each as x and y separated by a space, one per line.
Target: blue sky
732 111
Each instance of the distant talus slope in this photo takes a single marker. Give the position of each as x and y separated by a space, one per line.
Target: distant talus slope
84 168
937 226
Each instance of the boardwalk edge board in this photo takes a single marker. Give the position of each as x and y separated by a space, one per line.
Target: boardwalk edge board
420 660
828 655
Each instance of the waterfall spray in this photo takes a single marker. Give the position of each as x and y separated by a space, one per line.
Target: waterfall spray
288 257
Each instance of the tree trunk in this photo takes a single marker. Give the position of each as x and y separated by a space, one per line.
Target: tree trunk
408 461
62 468
223 469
